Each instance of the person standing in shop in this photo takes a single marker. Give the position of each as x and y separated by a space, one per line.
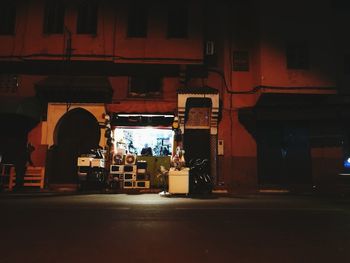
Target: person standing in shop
147 151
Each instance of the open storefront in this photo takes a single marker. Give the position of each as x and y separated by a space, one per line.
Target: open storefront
142 141
139 152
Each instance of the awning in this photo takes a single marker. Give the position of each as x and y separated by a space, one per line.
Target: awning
74 89
27 107
296 107
142 113
197 90
19 115
142 106
310 108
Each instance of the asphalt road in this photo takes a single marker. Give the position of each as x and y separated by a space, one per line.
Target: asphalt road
149 228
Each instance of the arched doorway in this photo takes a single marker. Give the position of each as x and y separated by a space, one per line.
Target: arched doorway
75 133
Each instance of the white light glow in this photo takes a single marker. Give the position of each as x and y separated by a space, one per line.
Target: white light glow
134 139
145 115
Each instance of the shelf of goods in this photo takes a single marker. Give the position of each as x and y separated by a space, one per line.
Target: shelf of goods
131 176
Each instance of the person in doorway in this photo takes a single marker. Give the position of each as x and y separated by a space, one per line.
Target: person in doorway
30 150
146 151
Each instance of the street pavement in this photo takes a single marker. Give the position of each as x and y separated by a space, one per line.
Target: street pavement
150 228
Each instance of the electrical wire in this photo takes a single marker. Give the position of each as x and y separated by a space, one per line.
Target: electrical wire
261 87
52 55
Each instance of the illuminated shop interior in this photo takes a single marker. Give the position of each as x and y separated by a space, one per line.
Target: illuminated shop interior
134 139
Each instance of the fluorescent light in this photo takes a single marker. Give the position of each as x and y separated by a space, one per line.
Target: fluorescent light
145 115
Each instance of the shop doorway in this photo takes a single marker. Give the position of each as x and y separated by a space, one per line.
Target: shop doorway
283 154
197 144
153 145
76 133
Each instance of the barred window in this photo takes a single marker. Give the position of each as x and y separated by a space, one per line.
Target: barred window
54 17
145 86
297 55
178 21
87 18
7 18
240 61
8 83
137 20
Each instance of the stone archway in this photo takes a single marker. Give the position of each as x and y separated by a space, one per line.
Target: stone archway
76 132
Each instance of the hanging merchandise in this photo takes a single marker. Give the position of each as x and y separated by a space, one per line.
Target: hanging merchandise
118 158
108 130
178 160
175 125
177 131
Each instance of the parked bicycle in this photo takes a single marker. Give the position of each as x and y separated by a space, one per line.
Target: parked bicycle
200 179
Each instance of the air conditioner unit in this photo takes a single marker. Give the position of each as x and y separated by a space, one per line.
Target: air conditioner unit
141 177
84 161
129 176
209 48
142 184
118 158
98 163
130 159
116 169
128 184
130 168
141 167
141 171
141 164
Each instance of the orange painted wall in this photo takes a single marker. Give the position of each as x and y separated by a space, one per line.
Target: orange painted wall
120 88
257 28
297 22
39 154
111 39
157 45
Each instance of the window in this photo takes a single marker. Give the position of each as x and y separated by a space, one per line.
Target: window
240 61
297 55
7 18
145 86
8 83
178 21
54 17
137 20
87 18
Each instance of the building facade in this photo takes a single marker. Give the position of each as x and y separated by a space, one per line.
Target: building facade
272 75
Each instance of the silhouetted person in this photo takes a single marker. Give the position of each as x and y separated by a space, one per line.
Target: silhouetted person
147 151
30 149
165 151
